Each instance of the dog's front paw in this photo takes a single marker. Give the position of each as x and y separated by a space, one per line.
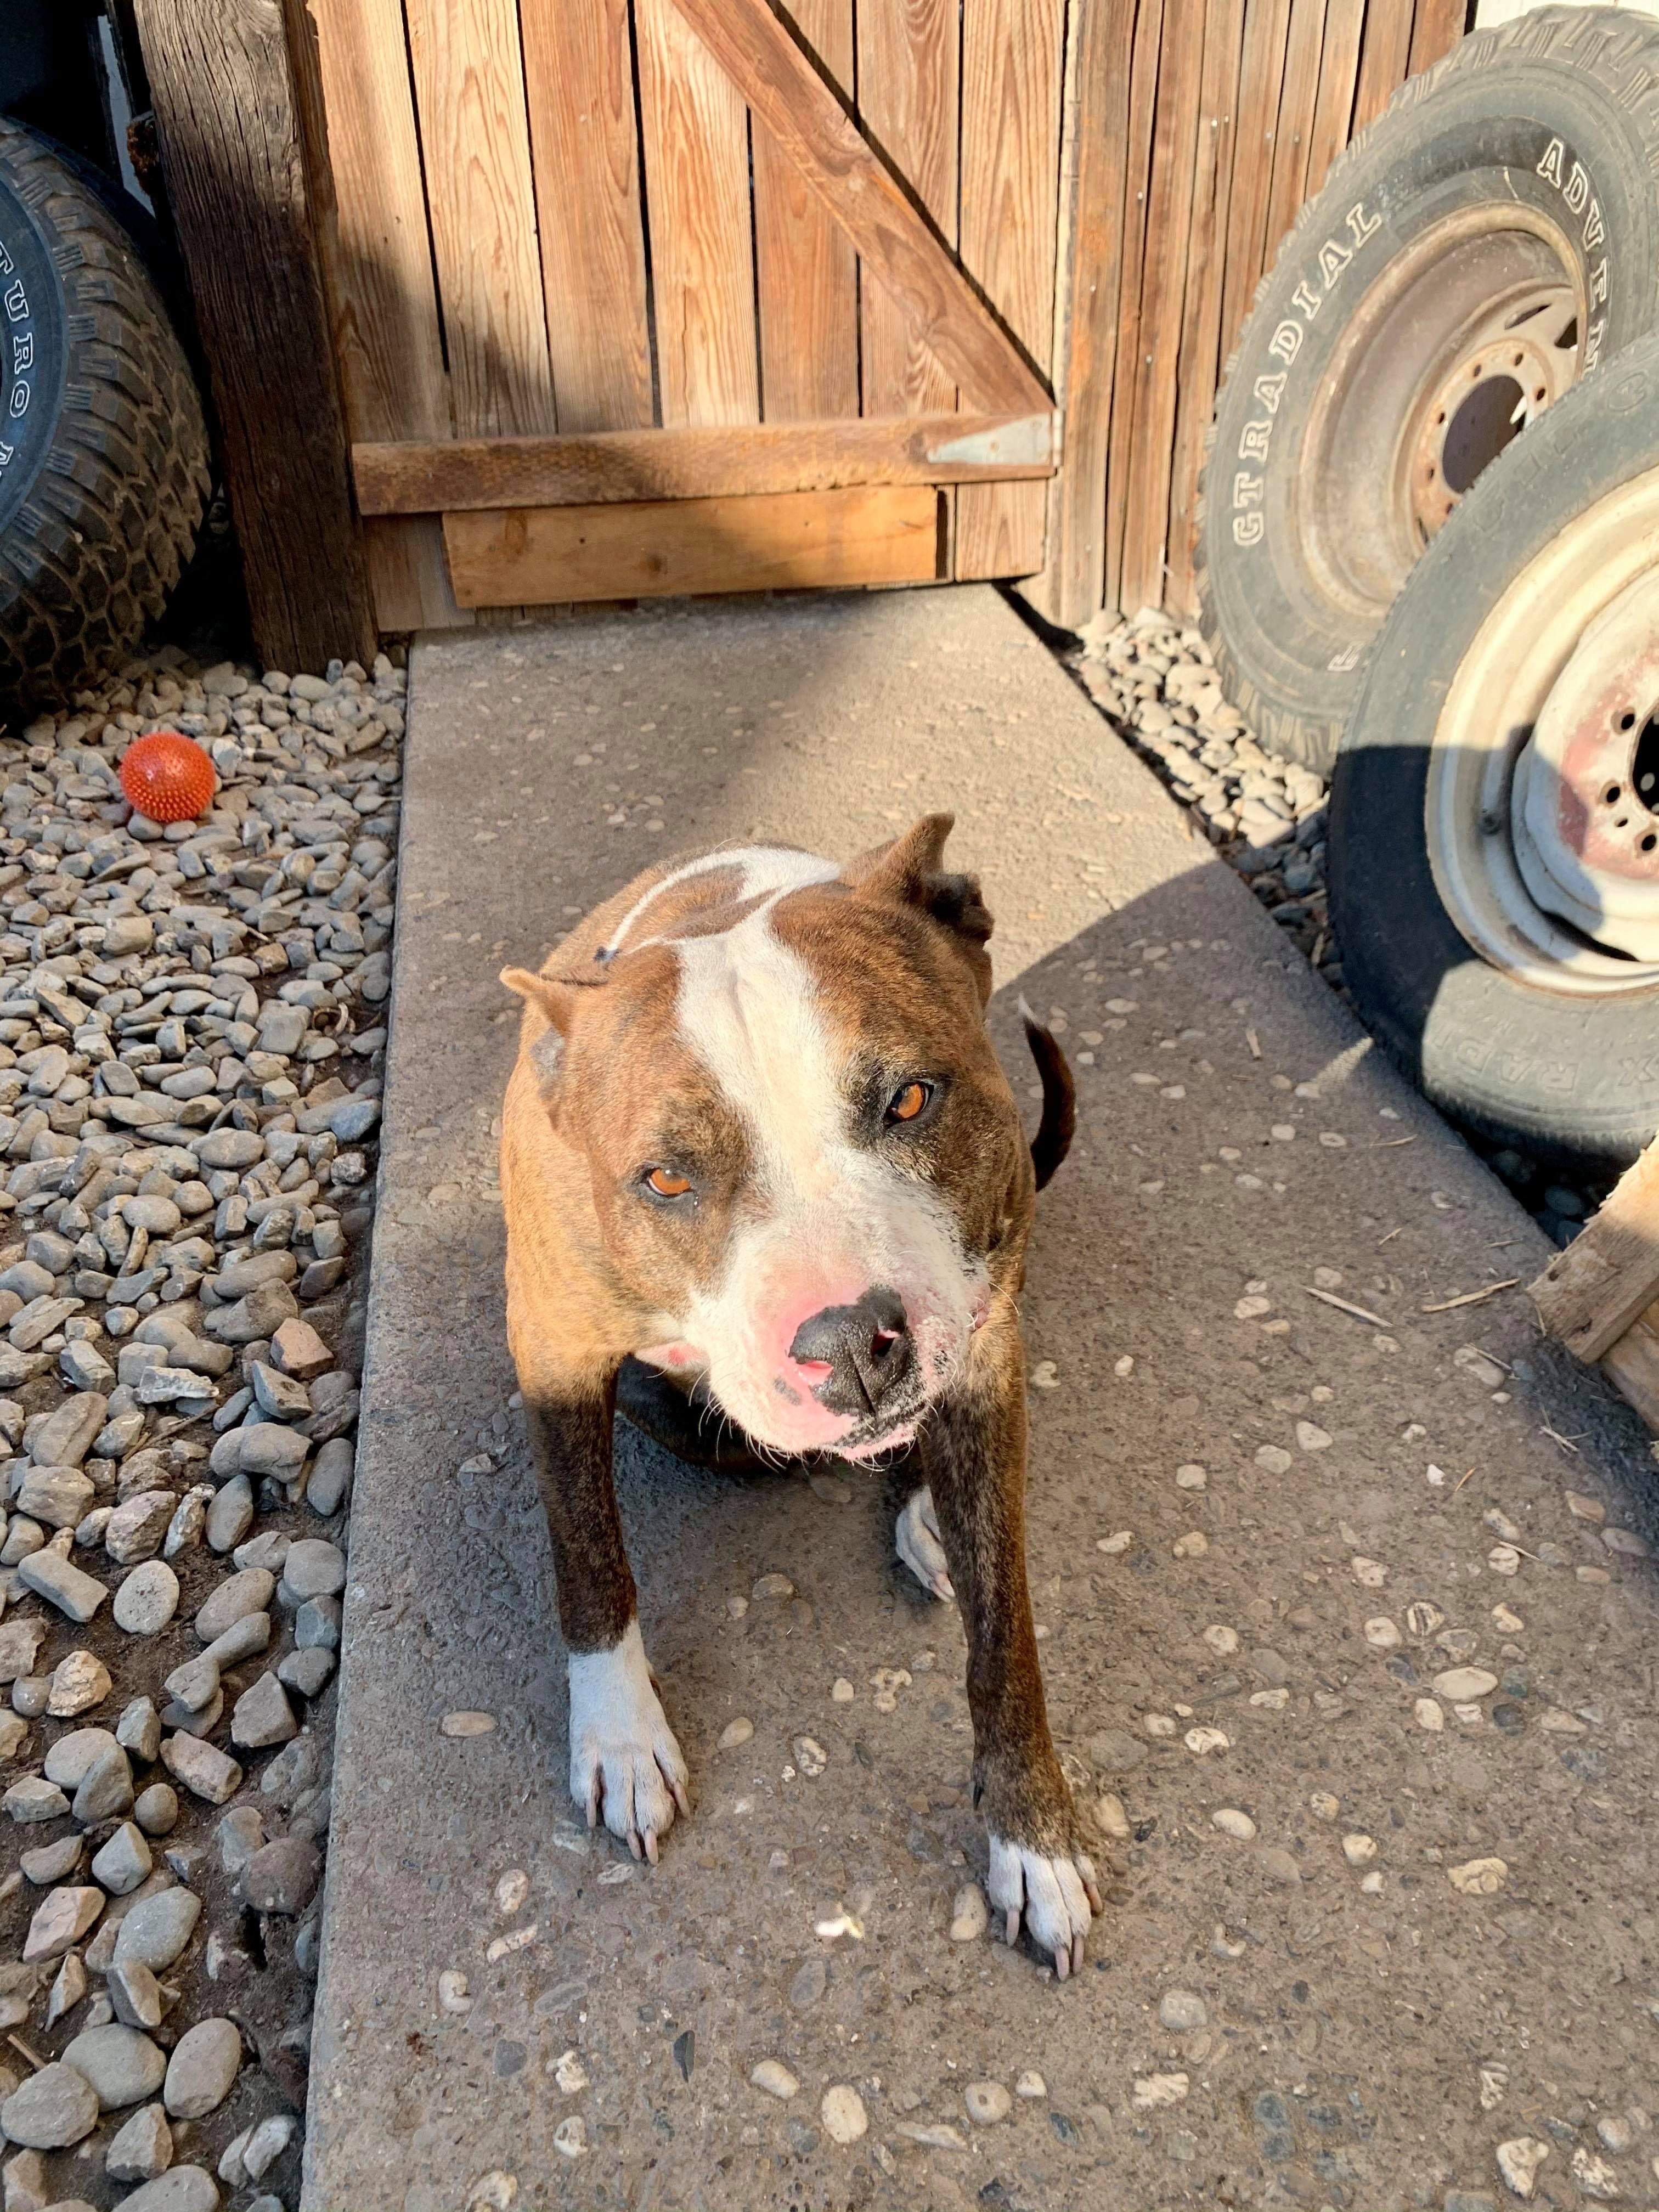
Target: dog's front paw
1054 1892
624 1762
917 1540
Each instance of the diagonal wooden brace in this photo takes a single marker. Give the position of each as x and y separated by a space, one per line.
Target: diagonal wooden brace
776 75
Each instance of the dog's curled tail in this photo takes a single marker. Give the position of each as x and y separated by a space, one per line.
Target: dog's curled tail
1059 1124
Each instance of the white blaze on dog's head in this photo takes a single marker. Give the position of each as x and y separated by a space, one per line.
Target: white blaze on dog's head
809 1194
826 1221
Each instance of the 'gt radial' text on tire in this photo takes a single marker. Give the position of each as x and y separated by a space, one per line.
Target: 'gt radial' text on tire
1489 240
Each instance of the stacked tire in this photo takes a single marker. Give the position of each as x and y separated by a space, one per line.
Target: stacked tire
1517 174
1430 568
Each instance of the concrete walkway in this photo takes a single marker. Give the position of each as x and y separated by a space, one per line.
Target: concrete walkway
1248 1566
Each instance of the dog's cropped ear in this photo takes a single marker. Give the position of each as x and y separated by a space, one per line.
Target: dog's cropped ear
555 998
908 871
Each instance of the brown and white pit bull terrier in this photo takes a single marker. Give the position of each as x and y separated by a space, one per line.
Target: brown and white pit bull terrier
757 1137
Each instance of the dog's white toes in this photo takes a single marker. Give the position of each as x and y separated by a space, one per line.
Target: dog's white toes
625 1766
916 1539
1056 1894
634 1788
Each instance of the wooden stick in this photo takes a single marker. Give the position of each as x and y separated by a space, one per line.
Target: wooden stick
1473 1298
1344 1305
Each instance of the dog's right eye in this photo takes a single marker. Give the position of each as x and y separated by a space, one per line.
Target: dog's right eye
666 1182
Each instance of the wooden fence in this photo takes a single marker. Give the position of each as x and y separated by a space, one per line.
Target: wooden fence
579 299
1198 130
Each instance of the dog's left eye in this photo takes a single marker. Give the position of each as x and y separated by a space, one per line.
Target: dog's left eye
909 1100
666 1182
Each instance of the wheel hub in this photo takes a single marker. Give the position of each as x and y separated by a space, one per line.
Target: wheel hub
1517 363
1584 806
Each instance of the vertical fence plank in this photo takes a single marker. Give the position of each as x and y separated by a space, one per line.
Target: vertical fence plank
579 77
1200 331
1435 29
1162 302
1011 91
696 168
908 103
1338 71
408 573
1143 112
1292 143
386 338
1385 48
1071 589
238 107
806 271
469 81
1260 74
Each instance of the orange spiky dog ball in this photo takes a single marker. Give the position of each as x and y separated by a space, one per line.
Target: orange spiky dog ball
167 777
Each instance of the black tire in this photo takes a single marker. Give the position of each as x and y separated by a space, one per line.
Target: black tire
1571 1078
105 474
1552 119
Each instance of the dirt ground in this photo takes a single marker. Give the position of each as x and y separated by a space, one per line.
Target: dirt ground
1345 1617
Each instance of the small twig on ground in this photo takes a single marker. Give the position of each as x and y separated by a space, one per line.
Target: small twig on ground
1388 1144
1254 1042
33 2056
1474 1298
1388 1239
1565 1442
1344 1305
1460 1481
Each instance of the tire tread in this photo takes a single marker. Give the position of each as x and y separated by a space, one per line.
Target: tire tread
122 491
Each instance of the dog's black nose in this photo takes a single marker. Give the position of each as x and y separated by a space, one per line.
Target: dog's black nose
867 1348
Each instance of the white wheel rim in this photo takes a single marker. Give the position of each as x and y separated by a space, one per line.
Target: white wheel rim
1529 866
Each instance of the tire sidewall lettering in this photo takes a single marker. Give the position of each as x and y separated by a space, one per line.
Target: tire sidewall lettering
34 365
17 354
1329 262
1326 266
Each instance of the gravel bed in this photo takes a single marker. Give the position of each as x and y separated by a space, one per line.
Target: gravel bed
1155 682
191 1046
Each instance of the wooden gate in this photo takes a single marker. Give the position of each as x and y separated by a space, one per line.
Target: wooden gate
574 299
690 296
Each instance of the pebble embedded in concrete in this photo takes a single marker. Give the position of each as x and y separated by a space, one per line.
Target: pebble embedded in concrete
772 2076
843 2113
987 2102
